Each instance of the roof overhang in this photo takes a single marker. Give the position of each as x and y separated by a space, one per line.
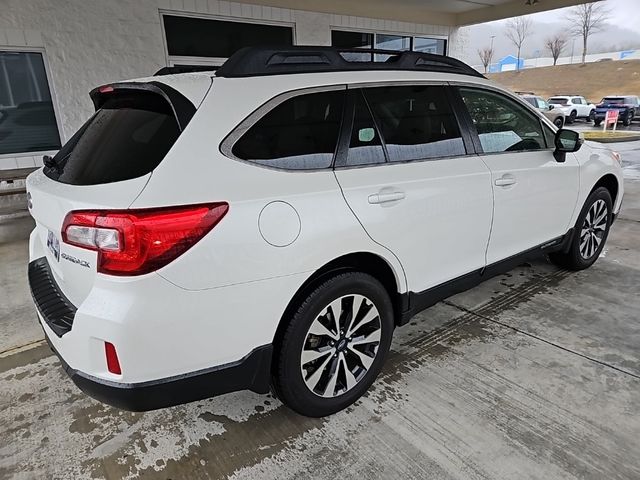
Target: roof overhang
451 13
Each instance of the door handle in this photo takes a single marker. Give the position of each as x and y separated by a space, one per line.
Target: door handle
385 197
505 181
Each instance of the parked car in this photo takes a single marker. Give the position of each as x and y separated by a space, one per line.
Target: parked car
549 111
626 105
573 107
180 252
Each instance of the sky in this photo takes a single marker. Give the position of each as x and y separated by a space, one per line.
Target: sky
621 32
623 12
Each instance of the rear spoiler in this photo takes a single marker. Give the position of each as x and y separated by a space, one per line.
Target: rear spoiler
182 107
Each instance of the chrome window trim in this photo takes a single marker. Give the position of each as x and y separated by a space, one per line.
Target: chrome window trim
226 146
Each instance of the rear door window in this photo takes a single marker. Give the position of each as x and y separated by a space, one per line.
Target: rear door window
301 133
126 138
416 122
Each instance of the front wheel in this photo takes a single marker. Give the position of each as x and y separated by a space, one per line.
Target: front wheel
334 345
628 119
559 122
590 232
572 117
597 123
592 116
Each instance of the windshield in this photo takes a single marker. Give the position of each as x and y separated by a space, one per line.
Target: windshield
126 138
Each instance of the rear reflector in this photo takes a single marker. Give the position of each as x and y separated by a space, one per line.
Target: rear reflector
134 242
113 364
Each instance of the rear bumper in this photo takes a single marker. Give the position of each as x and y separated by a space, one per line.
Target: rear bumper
250 373
601 116
77 339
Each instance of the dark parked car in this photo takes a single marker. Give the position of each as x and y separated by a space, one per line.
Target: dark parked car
628 107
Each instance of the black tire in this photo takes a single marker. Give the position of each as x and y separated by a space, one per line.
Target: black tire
592 115
287 377
559 122
573 259
572 117
628 119
597 123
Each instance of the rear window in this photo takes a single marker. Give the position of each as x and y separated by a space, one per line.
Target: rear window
613 101
126 138
558 100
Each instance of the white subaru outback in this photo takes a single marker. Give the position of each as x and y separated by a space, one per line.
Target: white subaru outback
268 225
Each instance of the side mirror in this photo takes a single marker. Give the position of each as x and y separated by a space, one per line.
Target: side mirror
566 141
551 107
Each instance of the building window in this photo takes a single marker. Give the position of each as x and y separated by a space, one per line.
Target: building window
430 45
27 120
383 41
201 41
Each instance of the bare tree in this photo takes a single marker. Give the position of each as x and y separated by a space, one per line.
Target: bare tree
486 55
586 20
518 29
556 45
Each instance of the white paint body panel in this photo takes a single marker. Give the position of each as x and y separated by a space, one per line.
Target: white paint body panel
225 296
537 207
440 230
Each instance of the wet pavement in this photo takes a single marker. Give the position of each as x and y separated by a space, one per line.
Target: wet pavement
533 374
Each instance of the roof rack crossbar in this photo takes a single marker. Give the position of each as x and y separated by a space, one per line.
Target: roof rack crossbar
259 61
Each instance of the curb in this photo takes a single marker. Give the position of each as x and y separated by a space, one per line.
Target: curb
628 138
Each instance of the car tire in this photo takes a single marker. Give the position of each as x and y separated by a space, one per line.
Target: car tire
597 123
589 234
559 122
572 117
317 384
592 116
628 119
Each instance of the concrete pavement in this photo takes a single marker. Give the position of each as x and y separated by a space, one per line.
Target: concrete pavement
534 374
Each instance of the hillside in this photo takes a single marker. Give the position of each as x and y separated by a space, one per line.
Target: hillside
593 80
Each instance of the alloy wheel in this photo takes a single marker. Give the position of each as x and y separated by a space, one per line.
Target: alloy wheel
340 346
593 229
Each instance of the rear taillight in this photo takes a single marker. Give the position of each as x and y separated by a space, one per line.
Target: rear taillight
134 242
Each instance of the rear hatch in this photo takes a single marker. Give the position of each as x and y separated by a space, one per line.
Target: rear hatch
612 103
104 166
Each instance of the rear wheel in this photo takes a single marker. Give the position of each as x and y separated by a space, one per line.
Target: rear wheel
334 345
590 232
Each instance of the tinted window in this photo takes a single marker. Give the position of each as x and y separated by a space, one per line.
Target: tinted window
576 101
359 40
127 138
365 147
198 37
560 100
301 133
27 120
502 124
416 122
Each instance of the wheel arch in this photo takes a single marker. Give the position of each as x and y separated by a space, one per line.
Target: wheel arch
365 262
610 182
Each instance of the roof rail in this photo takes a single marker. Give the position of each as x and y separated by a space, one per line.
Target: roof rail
184 69
258 61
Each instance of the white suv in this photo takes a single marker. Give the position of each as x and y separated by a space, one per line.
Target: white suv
573 107
267 226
